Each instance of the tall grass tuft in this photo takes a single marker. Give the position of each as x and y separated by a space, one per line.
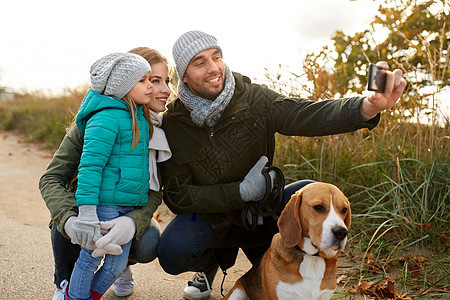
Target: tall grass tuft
39 116
398 187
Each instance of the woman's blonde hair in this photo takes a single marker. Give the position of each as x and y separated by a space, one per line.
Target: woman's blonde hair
153 56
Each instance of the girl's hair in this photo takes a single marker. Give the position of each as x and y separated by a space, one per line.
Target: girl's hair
135 128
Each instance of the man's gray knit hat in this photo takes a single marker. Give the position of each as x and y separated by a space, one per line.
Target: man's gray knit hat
188 45
116 74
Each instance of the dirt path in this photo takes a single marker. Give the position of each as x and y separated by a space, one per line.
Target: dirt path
26 261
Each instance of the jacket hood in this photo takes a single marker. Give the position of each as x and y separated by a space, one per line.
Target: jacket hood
94 102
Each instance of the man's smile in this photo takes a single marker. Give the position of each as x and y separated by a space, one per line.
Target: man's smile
213 80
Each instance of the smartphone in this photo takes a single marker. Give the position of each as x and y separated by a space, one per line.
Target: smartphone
377 79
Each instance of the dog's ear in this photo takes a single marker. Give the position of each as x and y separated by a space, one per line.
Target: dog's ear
348 217
289 221
347 222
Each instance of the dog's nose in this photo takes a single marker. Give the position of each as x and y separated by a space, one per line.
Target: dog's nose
340 233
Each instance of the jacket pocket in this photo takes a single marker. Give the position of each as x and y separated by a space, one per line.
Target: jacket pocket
128 188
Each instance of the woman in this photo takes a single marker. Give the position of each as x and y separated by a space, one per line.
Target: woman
58 185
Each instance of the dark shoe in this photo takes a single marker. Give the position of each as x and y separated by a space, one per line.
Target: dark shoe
200 287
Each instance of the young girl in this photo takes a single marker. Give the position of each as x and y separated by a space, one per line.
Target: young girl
114 172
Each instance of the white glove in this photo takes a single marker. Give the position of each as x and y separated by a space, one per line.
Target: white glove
68 226
112 249
86 228
121 231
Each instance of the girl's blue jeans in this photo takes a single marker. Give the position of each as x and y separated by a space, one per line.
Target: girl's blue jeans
85 276
188 243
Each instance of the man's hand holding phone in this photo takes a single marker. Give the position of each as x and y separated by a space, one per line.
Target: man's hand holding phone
377 79
386 88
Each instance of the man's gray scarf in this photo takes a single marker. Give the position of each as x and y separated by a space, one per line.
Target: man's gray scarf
204 111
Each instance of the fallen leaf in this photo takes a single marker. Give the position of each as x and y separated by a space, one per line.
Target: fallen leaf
341 278
365 286
386 290
372 263
403 297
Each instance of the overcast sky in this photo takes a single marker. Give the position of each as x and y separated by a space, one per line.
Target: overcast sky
51 44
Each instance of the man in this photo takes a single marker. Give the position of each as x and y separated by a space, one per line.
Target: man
221 131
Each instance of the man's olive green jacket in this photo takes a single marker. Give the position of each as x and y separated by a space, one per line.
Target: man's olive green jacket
208 164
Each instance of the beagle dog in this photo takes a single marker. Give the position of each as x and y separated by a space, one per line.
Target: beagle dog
301 261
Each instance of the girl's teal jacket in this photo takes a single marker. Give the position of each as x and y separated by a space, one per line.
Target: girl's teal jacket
110 171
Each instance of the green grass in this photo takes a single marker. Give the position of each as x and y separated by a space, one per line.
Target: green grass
396 177
399 192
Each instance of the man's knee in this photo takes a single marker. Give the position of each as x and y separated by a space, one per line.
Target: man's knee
173 256
184 244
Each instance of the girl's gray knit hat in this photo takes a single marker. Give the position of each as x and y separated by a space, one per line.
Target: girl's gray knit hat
116 74
188 45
